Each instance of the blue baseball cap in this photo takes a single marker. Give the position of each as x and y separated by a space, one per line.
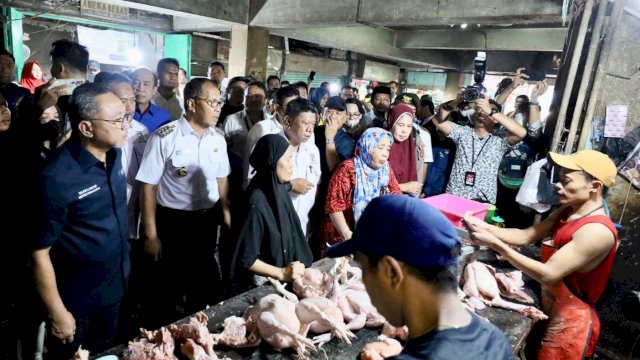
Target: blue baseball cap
405 228
336 102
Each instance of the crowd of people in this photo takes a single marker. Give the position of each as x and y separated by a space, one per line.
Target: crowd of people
150 196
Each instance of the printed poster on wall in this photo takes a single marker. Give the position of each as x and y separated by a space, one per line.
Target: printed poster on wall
616 121
107 46
630 169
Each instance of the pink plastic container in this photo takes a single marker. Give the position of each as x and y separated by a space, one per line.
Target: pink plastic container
454 207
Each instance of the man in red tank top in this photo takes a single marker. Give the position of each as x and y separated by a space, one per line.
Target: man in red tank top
576 263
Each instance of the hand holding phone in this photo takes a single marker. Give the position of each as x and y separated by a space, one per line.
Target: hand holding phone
312 75
66 86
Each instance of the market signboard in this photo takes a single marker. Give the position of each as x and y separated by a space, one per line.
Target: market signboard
104 10
380 72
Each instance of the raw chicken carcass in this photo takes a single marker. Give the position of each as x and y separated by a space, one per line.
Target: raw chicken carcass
151 345
235 333
382 349
196 330
314 282
511 284
81 354
393 332
479 282
194 351
278 325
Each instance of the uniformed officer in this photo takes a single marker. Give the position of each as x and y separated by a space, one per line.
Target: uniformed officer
184 173
81 257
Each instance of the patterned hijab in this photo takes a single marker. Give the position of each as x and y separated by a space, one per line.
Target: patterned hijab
369 181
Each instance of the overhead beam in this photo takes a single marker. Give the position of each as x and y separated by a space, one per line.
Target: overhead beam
288 14
371 41
533 39
228 12
438 12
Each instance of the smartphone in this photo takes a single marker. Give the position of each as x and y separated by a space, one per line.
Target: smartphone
312 75
72 84
535 74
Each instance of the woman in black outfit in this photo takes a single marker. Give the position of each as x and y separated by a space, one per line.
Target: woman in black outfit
271 241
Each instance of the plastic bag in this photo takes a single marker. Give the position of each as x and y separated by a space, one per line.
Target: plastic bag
528 193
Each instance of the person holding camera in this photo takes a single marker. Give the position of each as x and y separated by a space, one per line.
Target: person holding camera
478 155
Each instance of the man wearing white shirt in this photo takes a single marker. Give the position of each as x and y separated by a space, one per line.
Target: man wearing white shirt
273 125
236 126
184 174
166 97
299 122
132 149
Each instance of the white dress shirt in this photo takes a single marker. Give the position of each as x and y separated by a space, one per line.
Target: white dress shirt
132 152
185 167
236 129
306 165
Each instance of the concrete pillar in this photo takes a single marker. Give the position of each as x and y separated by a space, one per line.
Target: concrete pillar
249 51
453 83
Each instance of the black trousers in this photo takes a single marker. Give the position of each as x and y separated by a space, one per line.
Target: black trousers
187 277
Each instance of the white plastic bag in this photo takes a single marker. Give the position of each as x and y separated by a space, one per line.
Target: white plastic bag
528 193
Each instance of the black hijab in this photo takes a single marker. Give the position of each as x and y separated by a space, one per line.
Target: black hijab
264 159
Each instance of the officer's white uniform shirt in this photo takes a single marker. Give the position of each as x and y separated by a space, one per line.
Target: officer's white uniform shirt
306 165
262 128
132 151
236 129
174 105
175 149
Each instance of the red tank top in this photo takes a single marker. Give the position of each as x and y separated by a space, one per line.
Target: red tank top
588 286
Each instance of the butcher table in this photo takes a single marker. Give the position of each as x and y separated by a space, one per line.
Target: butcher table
515 326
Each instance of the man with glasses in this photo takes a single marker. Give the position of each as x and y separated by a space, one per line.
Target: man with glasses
184 175
166 97
81 256
347 92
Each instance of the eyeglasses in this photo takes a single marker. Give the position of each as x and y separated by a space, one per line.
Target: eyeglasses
124 121
353 115
212 103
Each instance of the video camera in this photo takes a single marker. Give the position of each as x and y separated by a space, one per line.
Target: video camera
473 92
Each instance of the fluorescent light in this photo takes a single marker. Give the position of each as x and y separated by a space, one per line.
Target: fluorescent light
134 56
463 26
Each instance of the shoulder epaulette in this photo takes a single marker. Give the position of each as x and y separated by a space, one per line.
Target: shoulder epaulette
218 130
166 130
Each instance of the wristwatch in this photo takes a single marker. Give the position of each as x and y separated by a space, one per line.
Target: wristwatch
330 141
494 111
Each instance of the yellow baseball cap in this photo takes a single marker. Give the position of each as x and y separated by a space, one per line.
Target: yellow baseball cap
594 163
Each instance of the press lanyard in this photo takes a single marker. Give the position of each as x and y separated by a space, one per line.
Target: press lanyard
473 150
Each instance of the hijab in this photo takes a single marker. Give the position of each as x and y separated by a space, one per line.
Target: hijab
369 181
264 159
27 80
403 154
316 96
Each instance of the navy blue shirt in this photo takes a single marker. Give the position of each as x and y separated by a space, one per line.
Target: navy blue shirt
478 340
153 118
85 224
345 145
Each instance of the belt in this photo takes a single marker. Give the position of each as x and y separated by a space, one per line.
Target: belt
202 211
